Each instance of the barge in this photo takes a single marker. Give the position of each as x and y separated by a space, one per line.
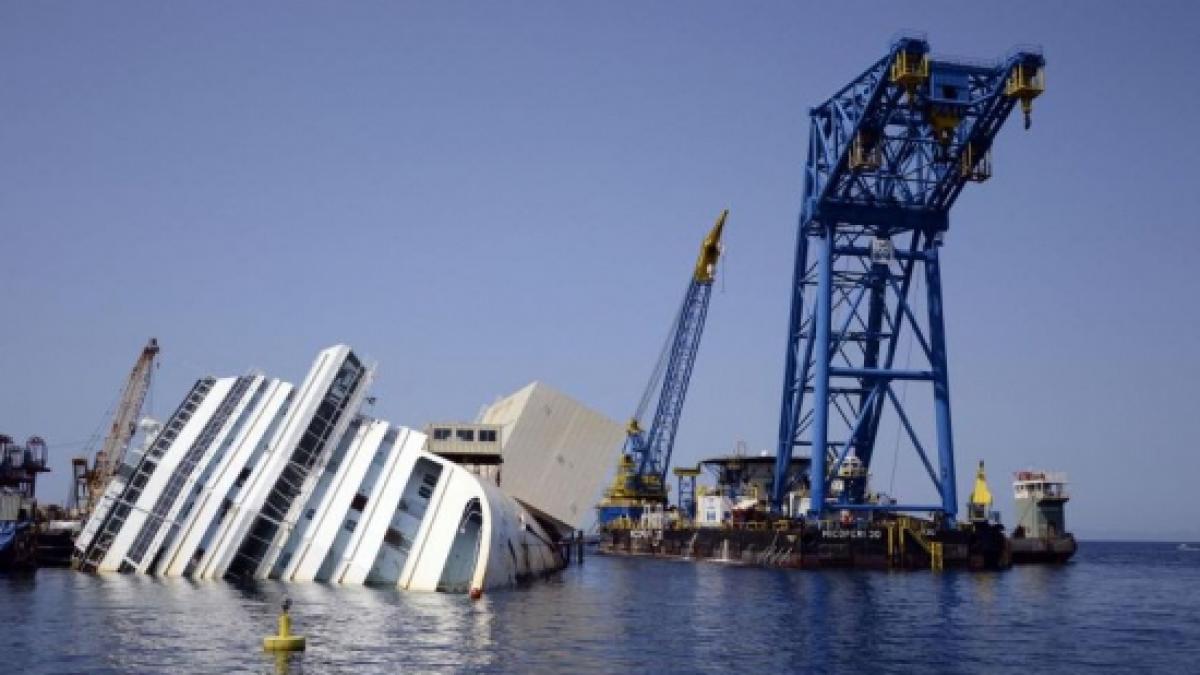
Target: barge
20 466
899 542
731 524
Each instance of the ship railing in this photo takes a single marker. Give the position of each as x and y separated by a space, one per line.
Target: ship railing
1039 477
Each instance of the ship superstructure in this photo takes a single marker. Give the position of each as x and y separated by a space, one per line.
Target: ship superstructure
1040 497
1040 533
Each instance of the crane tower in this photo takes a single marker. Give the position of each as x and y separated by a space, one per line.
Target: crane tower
641 479
888 155
90 483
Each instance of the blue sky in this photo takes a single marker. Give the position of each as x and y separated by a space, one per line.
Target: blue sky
482 194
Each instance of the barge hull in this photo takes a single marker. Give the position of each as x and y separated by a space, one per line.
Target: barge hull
902 544
1043 550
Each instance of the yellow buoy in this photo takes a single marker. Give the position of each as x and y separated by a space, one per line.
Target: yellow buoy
284 641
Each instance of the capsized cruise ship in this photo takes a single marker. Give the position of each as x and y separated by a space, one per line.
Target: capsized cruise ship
254 478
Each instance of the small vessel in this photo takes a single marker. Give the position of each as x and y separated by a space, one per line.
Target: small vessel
1041 535
19 469
18 547
1188 547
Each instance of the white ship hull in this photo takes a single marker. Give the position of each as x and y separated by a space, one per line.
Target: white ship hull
252 478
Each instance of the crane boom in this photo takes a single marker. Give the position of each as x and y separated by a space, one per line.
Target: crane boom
124 425
642 472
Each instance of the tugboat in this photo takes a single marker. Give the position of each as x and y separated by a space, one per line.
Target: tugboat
1041 535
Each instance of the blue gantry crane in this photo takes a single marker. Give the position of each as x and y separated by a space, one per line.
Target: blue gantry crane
641 479
888 155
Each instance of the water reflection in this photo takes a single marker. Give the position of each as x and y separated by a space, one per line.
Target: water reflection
623 615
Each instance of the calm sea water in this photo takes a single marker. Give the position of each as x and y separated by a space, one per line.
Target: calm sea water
1118 607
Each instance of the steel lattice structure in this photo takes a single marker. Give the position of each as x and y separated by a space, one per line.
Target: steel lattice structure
888 155
641 479
651 449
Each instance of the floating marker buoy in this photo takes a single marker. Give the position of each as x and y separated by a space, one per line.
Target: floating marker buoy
476 593
284 641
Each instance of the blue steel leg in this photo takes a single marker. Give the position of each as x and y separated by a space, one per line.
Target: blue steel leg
793 378
820 338
941 385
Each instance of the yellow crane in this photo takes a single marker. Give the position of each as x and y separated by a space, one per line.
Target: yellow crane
90 483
